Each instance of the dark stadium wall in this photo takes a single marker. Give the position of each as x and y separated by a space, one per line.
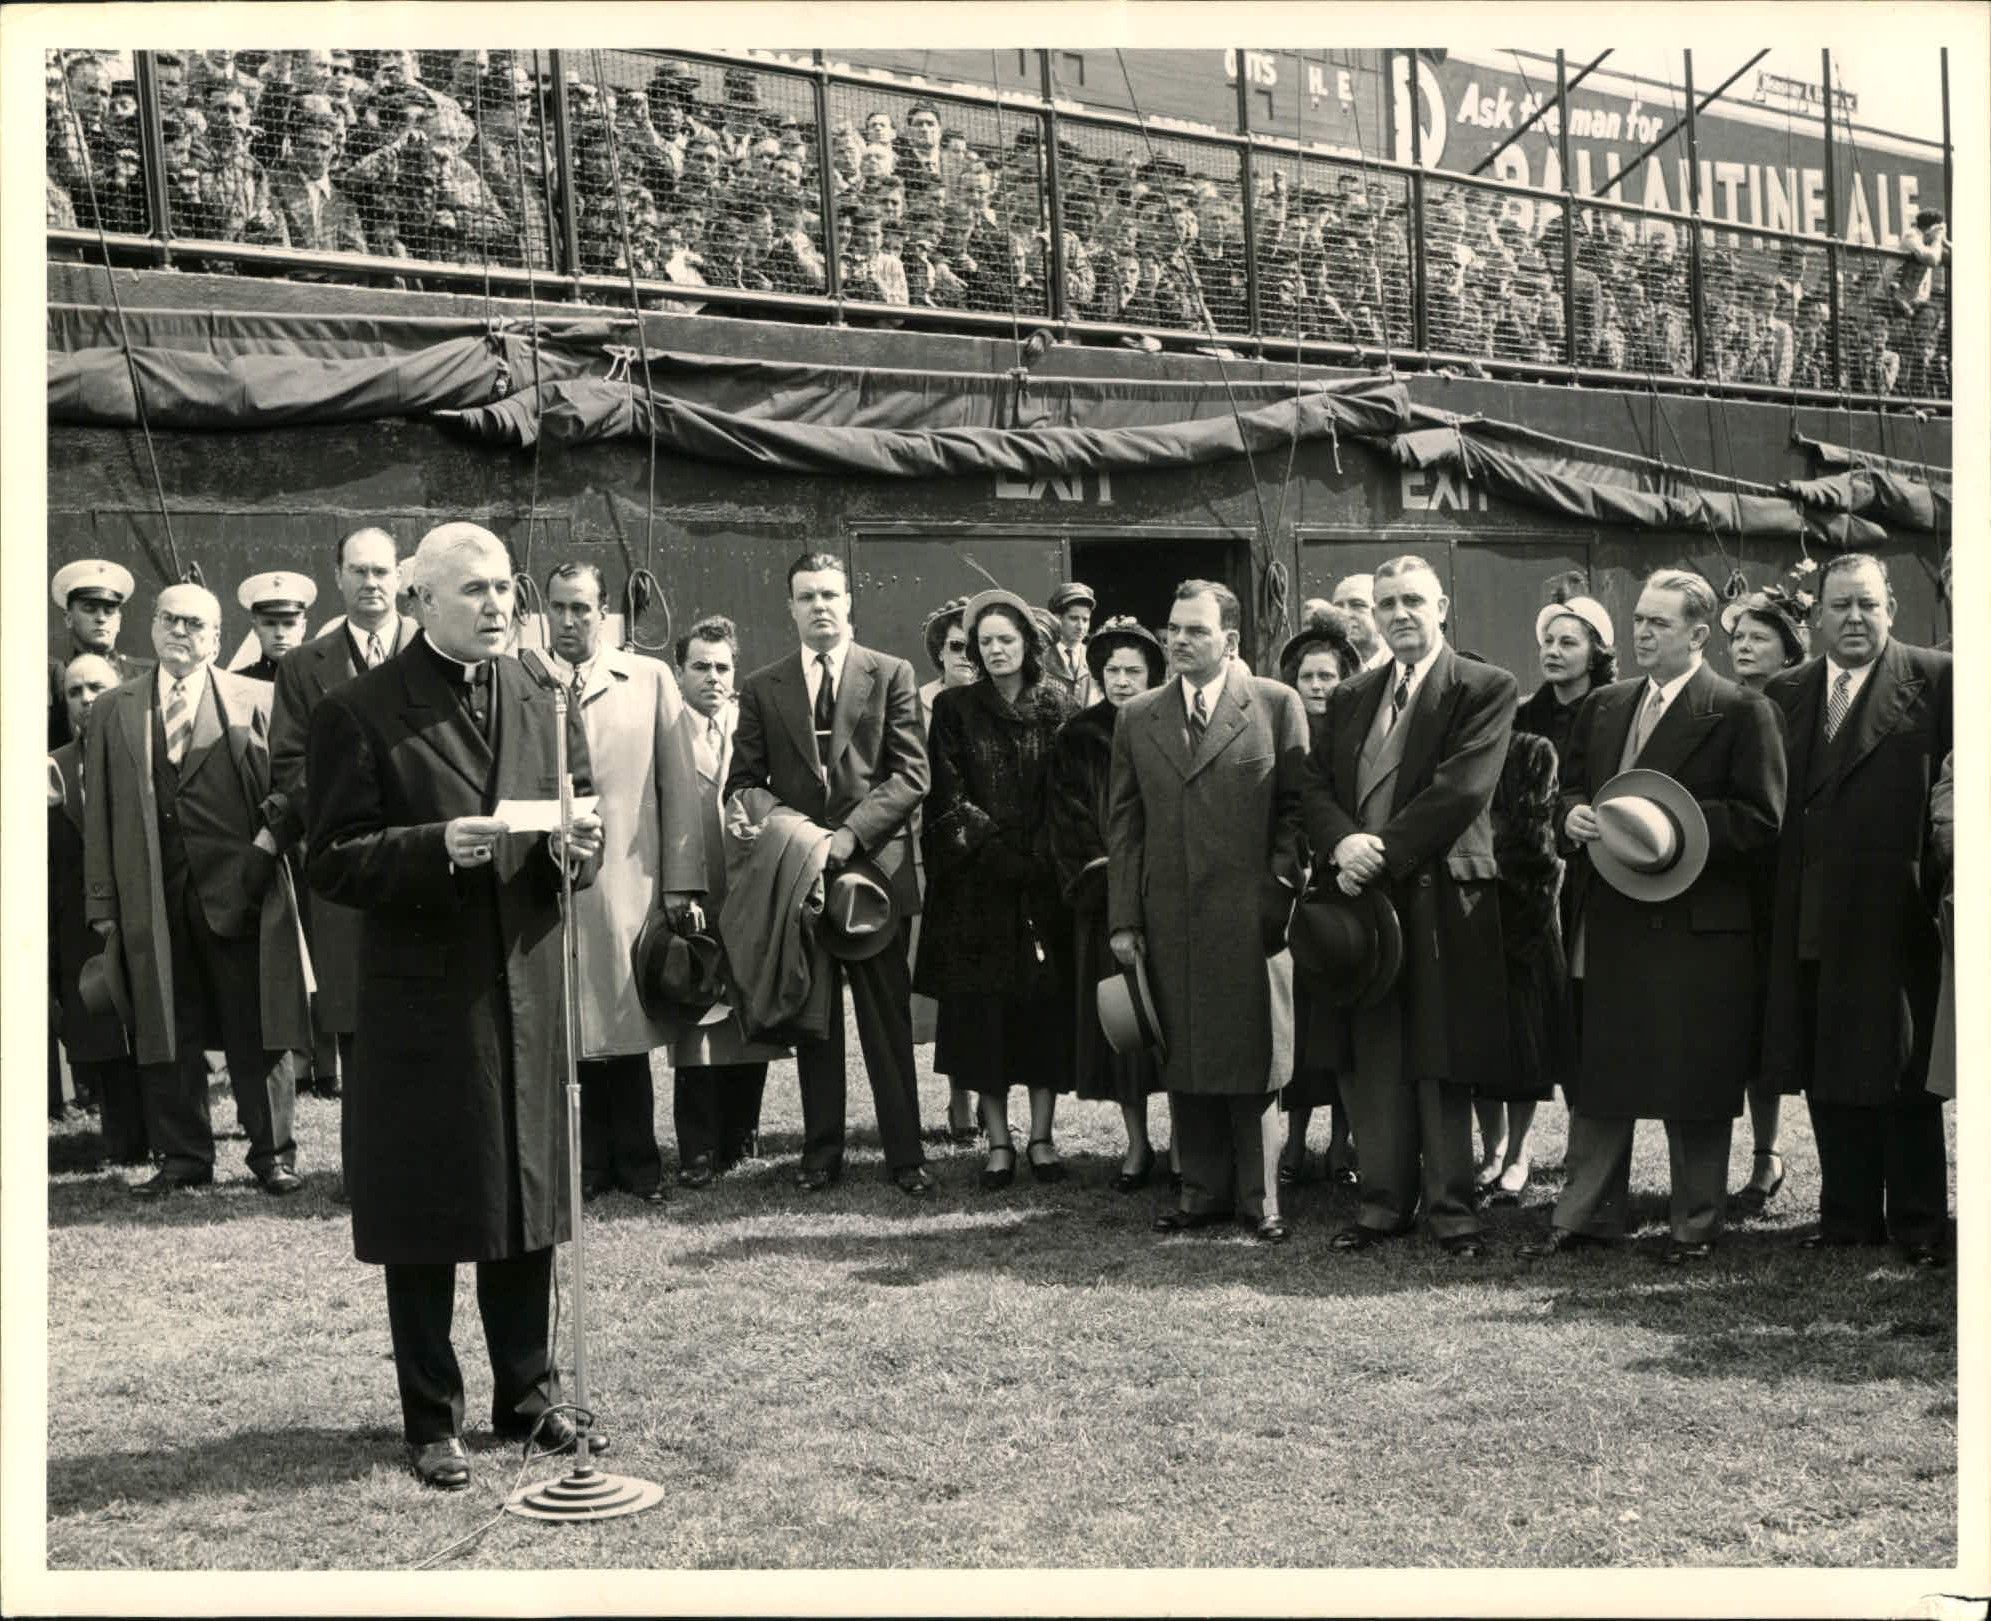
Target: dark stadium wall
245 502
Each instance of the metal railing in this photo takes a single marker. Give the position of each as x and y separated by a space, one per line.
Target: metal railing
698 180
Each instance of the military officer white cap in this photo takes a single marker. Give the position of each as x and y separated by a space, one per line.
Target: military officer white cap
91 575
275 592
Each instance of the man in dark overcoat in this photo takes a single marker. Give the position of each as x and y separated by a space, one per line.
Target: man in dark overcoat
1403 769
1670 986
180 868
368 570
1203 865
99 1051
1855 953
834 731
454 1105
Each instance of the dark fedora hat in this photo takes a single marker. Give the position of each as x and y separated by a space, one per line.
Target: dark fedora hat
1348 947
102 983
1124 631
1127 1012
860 918
680 971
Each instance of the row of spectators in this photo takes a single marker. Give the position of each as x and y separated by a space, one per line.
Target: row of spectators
448 156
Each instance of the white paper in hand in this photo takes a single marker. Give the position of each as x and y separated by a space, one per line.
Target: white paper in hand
540 815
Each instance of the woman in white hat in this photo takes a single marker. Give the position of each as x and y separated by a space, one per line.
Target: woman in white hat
1577 652
1766 635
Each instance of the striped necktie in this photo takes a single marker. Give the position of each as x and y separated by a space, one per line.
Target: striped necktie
374 651
1199 722
1838 703
179 722
1399 700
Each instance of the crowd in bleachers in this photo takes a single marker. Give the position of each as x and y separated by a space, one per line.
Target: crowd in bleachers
712 180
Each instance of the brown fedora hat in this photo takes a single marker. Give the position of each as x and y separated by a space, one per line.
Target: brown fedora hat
1348 948
860 918
680 974
1652 839
102 983
1127 1012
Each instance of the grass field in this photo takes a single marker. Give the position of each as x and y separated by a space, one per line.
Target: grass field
1023 1379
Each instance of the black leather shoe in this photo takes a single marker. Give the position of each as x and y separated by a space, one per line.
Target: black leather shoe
280 1181
1356 1237
1188 1221
1044 1170
696 1172
441 1464
915 1181
592 1188
656 1195
557 1434
1677 1253
163 1183
818 1178
1924 1257
1558 1239
1132 1181
1272 1231
994 1177
1834 1241
1464 1246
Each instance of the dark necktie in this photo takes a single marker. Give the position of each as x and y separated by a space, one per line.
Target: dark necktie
1199 721
1399 699
825 708
477 698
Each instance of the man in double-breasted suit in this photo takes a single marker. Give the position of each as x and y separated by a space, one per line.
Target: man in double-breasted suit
1203 866
1670 985
1855 953
627 710
181 872
453 1108
99 1051
368 569
1403 768
718 1072
833 730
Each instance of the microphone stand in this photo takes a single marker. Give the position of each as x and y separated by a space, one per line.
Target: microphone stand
584 1492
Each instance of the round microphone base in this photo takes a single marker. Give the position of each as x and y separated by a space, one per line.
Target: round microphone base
585 1493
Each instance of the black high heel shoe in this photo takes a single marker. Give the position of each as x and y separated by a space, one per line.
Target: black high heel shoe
994 1180
1751 1200
1044 1171
1132 1181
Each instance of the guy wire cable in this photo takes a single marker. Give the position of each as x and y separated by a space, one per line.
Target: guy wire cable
642 588
525 586
190 574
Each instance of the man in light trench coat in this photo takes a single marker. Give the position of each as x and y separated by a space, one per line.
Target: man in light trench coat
1204 862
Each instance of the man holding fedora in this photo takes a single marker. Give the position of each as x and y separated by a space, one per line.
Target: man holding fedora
626 709
89 1002
1403 769
1072 607
1673 782
277 604
833 731
91 594
1203 862
1855 952
718 1072
182 876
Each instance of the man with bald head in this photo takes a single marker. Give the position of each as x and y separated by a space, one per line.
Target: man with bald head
368 569
453 1108
182 879
99 1053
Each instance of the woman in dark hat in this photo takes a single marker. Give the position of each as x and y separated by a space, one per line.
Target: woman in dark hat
995 944
1577 653
1766 635
1124 660
947 650
1313 663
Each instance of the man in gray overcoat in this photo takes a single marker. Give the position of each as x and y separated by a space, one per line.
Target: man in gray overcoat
1204 862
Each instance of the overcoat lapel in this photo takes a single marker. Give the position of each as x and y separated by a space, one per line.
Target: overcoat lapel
1888 694
1168 722
1804 734
1688 722
851 698
1424 725
433 712
1232 717
1614 728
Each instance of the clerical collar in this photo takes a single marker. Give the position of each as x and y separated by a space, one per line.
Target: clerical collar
459 672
